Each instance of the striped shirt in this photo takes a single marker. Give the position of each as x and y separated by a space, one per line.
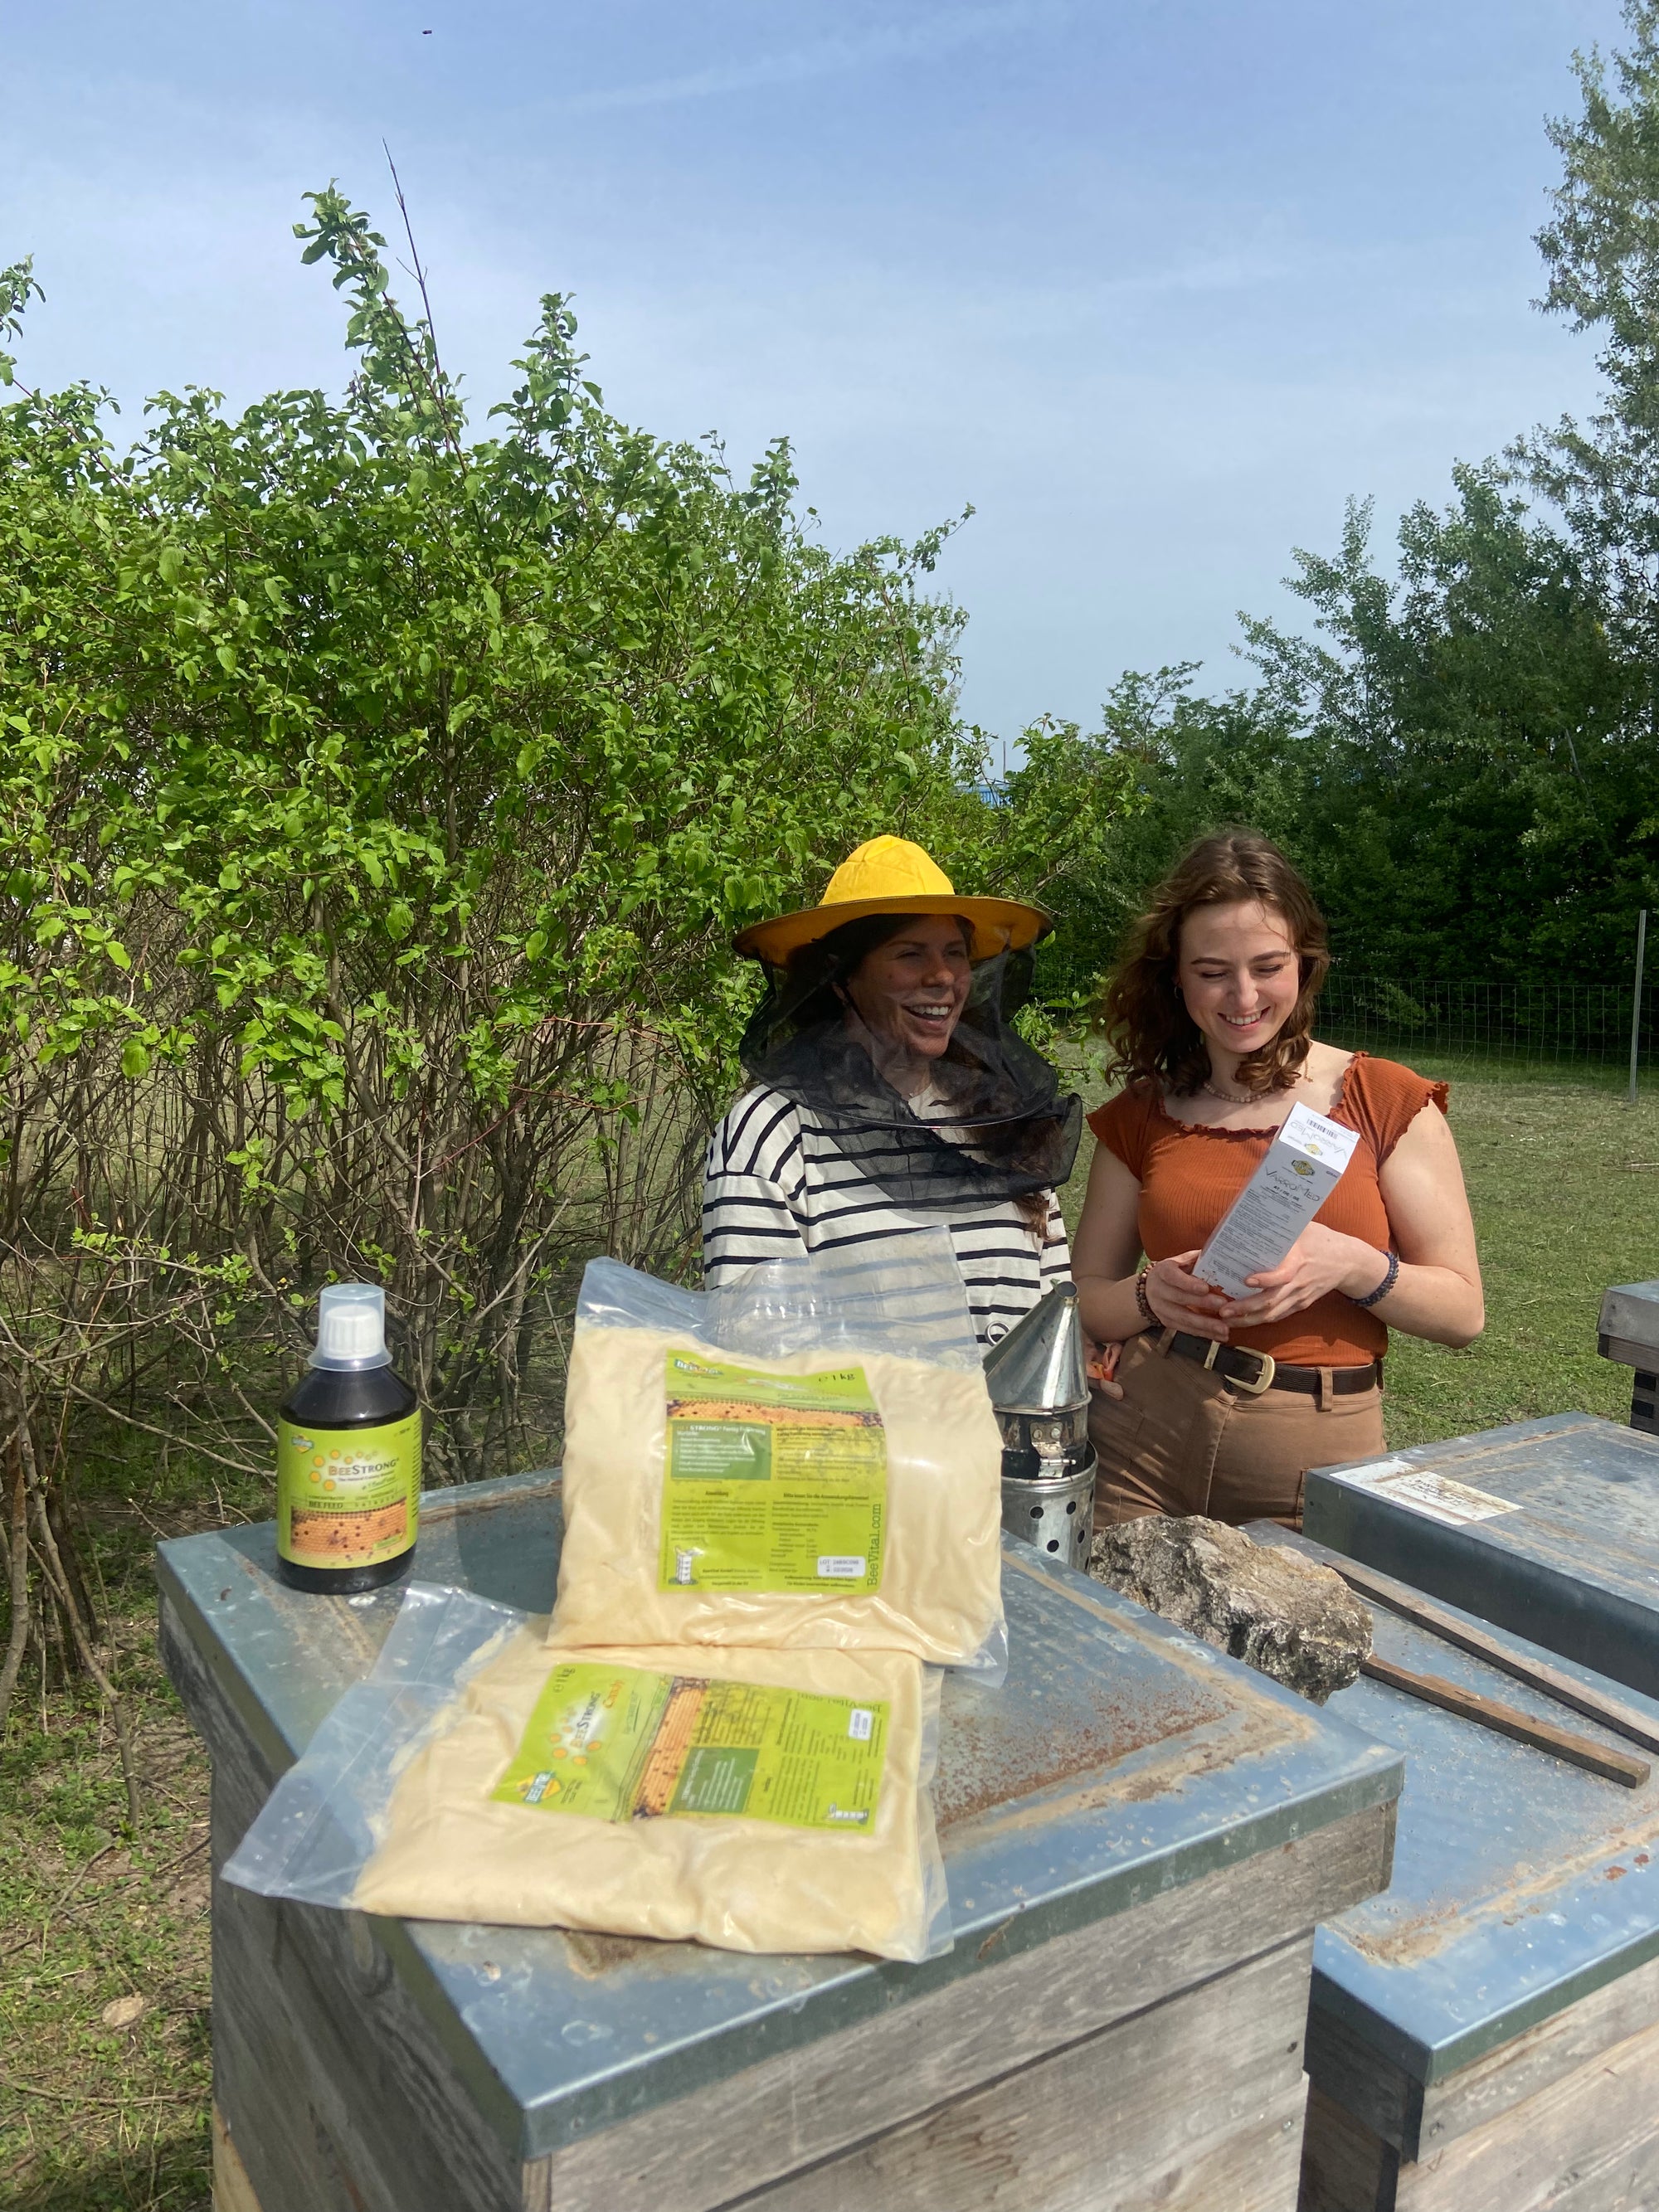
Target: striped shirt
777 1186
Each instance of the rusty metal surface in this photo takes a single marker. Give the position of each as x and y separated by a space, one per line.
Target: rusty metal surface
1521 1883
1120 1760
1575 1567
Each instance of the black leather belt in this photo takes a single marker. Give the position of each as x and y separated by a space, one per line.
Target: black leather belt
1253 1372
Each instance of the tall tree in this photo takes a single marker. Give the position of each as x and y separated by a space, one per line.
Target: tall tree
1478 796
1602 251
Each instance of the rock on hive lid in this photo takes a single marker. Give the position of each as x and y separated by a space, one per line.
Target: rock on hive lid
1038 1366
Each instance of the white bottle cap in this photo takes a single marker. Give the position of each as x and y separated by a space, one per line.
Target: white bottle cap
351 1327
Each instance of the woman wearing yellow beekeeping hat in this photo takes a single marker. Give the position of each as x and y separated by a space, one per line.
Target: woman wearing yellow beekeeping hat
889 1093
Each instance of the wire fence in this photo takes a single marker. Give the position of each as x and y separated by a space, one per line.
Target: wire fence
1526 1025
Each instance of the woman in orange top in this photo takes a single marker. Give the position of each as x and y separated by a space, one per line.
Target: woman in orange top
1210 1014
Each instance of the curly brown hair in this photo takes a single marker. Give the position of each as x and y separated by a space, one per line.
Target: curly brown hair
1142 1013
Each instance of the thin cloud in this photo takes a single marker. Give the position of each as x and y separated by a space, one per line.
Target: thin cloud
933 34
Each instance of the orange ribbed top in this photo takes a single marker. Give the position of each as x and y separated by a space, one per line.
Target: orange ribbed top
1190 1175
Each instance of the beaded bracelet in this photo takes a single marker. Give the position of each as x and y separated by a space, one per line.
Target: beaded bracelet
1385 1285
1142 1301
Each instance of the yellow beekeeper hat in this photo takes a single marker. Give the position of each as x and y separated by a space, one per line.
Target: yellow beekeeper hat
889 875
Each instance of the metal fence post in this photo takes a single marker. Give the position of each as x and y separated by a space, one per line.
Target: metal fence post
1636 999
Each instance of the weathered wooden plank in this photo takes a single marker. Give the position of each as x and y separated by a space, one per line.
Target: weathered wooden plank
1626 2181
1091 2124
1532 2062
1588 2142
1554 1681
291 2132
1353 2073
323 2083
1253 2170
1353 2160
1508 1720
803 2105
338 2093
232 2189
313 2046
1345 2165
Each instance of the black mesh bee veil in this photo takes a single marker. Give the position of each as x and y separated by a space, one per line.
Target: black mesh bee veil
992 1123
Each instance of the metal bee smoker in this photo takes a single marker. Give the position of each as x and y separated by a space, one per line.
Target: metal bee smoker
1040 1395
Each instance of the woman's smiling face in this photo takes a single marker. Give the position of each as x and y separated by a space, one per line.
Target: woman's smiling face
910 991
1239 976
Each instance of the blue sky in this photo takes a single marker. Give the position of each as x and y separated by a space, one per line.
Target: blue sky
1153 284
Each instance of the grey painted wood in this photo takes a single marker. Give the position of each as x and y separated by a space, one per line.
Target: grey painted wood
805 2105
1092 2124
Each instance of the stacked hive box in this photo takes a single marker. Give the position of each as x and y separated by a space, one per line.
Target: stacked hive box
1139 1836
1485 2038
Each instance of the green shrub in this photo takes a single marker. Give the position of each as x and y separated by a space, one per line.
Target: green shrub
378 800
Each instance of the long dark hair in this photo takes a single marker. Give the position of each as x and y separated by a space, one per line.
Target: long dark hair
1142 1012
1019 1132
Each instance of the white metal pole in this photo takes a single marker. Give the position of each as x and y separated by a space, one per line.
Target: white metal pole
1636 999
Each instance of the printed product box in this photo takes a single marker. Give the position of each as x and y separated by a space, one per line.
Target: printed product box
1301 1169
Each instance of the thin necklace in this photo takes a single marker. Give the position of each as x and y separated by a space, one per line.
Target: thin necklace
1227 1097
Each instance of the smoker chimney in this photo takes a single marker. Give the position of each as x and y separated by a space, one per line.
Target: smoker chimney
1040 1394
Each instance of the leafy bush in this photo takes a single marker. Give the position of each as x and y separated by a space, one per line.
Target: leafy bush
378 802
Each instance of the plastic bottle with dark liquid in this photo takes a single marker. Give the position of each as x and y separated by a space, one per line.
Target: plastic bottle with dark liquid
347 1454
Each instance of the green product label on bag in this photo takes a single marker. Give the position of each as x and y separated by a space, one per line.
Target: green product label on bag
620 1743
772 1482
347 1497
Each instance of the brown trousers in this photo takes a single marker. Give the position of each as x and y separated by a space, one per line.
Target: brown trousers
1180 1440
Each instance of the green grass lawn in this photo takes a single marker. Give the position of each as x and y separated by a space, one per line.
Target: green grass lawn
1565 1182
104 2068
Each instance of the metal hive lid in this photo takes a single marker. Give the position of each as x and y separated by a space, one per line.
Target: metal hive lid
1628 1329
1038 1366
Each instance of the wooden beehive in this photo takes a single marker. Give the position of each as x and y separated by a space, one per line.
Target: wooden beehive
1139 1836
